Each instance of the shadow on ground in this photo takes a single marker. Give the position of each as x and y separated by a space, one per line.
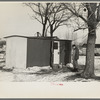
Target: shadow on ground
6 69
77 77
48 71
43 71
73 77
53 71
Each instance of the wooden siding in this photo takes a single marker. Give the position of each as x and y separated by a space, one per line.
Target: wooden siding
38 52
65 52
16 52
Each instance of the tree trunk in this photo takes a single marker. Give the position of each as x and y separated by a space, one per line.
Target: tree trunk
51 31
45 20
43 31
51 53
89 68
51 47
44 27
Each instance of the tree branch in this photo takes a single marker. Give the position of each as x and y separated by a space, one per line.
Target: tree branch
75 13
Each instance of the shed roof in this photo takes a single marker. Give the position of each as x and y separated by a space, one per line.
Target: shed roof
35 37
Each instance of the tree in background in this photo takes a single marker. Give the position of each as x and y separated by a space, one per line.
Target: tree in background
40 13
91 22
57 17
50 15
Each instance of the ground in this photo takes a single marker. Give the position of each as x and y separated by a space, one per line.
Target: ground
46 74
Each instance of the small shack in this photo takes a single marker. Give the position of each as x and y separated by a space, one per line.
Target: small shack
23 52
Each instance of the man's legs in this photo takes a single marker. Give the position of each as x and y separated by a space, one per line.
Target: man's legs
75 64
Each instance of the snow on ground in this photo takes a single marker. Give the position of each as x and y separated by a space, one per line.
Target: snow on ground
46 74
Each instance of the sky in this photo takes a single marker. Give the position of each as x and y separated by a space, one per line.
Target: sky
15 20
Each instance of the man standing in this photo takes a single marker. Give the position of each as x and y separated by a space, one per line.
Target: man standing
75 57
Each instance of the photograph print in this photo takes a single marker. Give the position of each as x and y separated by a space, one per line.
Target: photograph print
49 42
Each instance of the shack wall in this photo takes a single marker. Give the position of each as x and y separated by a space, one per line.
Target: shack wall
16 52
22 52
65 52
38 53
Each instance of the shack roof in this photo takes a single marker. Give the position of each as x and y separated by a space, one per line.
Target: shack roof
35 37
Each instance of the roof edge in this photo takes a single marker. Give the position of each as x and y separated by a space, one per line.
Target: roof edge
35 37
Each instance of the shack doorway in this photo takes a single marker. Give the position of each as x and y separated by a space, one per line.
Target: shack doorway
56 46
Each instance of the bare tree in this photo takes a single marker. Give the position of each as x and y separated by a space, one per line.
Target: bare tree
40 13
91 21
57 17
50 15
